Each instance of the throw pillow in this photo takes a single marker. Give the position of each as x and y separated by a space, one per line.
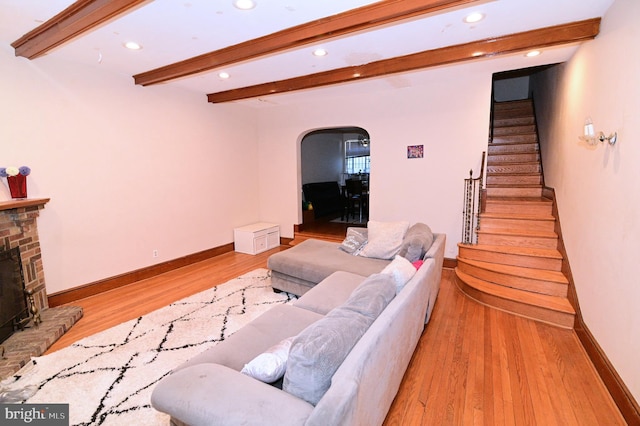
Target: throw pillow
319 350
372 295
384 239
355 240
416 242
270 365
418 263
401 270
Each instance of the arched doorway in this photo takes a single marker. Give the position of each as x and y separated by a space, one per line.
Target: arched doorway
331 158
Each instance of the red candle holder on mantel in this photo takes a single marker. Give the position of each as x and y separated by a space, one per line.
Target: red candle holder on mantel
17 186
17 180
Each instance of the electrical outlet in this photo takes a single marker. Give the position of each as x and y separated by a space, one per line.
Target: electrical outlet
155 253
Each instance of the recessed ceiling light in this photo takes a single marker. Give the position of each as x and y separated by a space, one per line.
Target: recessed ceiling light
132 45
474 17
533 53
474 54
223 75
244 4
357 74
320 52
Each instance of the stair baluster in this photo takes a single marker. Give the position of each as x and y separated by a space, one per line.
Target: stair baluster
472 206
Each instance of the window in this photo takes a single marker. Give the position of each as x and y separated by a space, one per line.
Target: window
357 165
356 156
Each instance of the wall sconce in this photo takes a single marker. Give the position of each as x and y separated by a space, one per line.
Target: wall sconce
591 138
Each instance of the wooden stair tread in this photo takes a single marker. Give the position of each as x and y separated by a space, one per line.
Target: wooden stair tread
515 185
519 216
519 200
512 173
493 157
512 131
518 271
555 303
519 233
510 163
514 134
507 120
498 143
514 138
516 175
516 250
302 236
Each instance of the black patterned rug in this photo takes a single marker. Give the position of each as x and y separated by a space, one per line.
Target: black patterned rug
107 378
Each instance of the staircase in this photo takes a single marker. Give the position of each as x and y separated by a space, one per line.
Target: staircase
516 266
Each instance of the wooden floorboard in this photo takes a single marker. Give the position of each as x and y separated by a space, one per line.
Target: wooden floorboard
474 365
481 366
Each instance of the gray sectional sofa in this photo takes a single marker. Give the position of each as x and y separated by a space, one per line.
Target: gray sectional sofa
354 334
298 269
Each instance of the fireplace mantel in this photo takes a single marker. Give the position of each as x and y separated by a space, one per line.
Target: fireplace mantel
26 202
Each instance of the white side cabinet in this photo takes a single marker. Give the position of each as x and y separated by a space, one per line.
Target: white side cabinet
256 238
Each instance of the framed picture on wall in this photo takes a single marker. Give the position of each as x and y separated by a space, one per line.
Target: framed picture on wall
415 151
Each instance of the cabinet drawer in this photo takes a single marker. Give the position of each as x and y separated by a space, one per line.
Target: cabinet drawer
260 244
273 239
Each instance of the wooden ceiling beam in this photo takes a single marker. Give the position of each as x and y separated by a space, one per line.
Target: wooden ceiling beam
545 37
79 18
362 18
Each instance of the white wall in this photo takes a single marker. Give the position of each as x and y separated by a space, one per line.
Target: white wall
448 114
128 169
597 187
511 89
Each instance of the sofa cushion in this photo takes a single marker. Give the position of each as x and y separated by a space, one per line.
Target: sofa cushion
401 270
330 293
354 241
384 239
270 365
416 242
212 394
318 351
314 260
269 328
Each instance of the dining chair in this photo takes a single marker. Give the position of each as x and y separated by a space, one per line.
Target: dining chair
355 198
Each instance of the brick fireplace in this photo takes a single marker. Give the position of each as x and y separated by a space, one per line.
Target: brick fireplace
18 228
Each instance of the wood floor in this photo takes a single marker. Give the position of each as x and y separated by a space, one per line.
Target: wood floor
474 365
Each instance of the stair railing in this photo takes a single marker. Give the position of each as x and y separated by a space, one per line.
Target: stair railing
472 205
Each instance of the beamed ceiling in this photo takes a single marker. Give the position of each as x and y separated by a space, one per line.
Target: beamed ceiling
267 50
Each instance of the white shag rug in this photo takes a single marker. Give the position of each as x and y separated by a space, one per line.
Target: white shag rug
107 378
